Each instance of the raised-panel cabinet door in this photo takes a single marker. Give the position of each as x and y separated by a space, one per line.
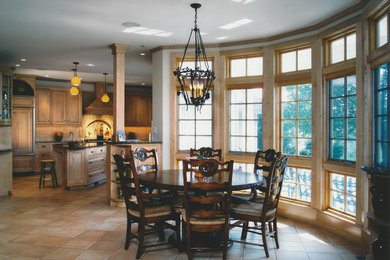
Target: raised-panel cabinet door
75 168
22 130
59 107
74 109
43 108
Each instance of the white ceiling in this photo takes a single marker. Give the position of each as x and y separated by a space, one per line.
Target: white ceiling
51 34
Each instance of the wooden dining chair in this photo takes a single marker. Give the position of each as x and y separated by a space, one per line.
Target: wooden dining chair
207 152
206 200
262 165
148 208
264 212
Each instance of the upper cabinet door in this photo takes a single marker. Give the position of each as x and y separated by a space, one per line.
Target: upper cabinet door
73 112
22 130
43 107
59 107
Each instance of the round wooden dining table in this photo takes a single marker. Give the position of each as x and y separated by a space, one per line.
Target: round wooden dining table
172 179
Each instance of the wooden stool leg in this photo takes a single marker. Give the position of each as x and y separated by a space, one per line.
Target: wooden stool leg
40 177
52 175
55 174
44 175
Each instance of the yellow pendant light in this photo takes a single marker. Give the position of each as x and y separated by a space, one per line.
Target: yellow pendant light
105 98
74 91
76 81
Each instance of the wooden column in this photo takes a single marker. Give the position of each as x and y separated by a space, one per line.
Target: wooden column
119 52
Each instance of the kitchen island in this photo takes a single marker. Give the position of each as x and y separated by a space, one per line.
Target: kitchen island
80 165
114 193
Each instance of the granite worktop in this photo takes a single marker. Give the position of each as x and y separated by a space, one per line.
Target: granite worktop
79 147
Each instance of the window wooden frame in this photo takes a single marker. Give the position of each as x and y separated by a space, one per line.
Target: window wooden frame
328 118
280 120
239 87
375 113
327 44
278 56
246 57
296 184
328 207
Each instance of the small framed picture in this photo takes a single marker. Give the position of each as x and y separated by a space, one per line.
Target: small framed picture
121 136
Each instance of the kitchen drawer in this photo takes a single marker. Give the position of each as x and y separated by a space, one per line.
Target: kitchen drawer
96 176
43 155
43 146
96 152
96 161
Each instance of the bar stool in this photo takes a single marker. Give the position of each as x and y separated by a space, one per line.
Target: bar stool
48 167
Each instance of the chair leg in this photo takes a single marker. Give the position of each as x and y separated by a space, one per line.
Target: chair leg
244 230
128 233
225 240
264 235
270 226
188 240
141 234
161 234
276 233
40 177
177 230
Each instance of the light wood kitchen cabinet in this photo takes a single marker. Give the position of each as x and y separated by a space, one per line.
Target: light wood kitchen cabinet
22 134
73 113
57 107
138 110
43 107
74 173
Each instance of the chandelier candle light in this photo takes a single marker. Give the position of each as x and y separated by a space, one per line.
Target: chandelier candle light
195 83
76 81
105 98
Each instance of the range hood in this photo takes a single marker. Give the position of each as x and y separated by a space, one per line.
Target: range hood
97 107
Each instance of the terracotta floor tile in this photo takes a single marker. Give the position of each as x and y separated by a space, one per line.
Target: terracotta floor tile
62 253
5 237
9 248
21 258
92 234
94 255
52 241
63 232
105 245
35 251
26 238
81 243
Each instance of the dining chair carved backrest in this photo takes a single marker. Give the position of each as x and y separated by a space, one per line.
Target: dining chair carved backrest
264 212
206 199
147 208
262 165
207 152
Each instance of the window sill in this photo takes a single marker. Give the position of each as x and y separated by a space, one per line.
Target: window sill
340 216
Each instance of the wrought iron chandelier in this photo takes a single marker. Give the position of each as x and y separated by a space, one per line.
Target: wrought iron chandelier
195 83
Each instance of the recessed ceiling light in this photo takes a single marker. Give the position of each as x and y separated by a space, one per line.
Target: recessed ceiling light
146 31
90 65
130 24
22 59
236 24
142 54
17 65
222 37
47 76
143 84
